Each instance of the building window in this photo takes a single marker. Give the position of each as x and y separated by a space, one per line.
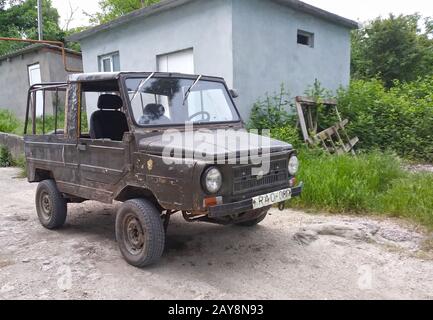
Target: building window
306 38
109 62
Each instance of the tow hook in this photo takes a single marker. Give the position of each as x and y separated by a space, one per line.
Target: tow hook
281 206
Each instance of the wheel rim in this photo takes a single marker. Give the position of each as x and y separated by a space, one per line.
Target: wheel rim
134 235
45 206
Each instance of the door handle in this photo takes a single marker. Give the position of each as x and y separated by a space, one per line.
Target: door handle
82 147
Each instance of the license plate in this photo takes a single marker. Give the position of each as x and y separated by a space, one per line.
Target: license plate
271 198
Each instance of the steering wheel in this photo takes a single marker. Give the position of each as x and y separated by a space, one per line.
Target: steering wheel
207 114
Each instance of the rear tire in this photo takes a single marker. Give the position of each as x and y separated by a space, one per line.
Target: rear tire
140 232
50 205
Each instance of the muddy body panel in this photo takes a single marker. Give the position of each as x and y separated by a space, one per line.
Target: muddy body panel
106 171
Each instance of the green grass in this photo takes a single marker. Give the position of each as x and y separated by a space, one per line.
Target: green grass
410 197
22 165
5 157
372 183
6 160
50 124
8 122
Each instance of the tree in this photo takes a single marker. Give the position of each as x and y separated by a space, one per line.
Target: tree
4 3
18 19
393 49
112 9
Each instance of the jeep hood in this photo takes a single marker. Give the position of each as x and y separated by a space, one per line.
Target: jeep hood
238 143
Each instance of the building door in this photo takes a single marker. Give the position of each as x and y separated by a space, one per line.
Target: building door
103 162
35 78
181 61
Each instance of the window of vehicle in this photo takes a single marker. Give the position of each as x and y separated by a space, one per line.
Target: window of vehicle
46 109
175 101
109 62
102 115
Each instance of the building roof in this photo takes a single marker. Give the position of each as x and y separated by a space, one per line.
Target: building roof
36 47
166 5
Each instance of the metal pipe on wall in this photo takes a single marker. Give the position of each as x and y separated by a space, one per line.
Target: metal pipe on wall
59 44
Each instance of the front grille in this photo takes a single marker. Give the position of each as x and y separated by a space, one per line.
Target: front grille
245 182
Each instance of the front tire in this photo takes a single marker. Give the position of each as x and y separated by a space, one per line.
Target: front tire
253 222
50 205
140 232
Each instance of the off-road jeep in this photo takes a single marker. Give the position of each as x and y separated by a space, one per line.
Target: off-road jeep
160 143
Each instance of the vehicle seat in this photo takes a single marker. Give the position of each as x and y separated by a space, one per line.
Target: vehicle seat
108 122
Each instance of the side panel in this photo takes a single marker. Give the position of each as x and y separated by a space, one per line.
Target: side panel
172 184
102 166
54 154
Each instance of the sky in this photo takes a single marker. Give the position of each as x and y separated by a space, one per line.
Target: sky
353 9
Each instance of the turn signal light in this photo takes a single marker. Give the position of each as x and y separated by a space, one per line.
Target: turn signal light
212 202
292 182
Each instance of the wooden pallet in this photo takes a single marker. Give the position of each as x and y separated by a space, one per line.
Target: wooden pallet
334 139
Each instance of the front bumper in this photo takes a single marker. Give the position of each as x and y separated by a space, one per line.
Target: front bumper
242 206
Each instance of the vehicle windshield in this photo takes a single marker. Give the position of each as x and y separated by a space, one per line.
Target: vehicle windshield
166 101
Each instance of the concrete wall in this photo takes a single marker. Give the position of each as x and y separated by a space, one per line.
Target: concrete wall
57 71
15 144
202 25
266 52
14 79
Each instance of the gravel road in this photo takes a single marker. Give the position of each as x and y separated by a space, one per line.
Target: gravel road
292 255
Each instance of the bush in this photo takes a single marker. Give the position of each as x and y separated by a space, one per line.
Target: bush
49 123
399 119
287 134
271 112
8 122
5 157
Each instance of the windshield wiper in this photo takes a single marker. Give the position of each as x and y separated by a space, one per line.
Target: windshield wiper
141 85
190 88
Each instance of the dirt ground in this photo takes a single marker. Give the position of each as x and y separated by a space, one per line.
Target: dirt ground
417 168
292 255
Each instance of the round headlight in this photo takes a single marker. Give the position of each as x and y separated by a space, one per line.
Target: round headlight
293 165
212 180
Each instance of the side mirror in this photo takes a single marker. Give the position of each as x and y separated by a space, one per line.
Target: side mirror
234 93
